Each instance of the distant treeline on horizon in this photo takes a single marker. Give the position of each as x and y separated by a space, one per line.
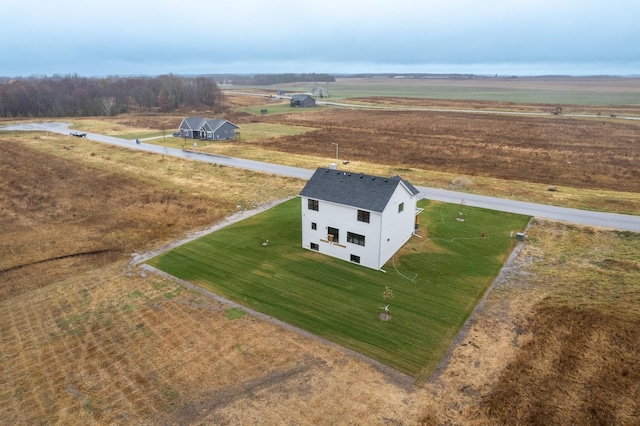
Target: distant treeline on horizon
74 96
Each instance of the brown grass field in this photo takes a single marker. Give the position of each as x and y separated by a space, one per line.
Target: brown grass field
572 152
86 339
592 162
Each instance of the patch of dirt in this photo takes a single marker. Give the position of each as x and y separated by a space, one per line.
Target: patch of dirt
461 182
384 317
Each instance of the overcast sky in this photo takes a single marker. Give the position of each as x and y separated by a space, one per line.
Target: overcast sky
126 37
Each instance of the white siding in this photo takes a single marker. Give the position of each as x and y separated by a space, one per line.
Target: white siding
397 228
385 233
344 219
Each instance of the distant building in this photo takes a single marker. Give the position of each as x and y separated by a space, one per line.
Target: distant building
323 92
207 129
356 217
302 101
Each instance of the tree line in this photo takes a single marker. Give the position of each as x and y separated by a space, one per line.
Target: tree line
73 96
268 79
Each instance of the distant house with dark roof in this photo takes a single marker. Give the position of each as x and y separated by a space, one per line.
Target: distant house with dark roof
356 217
207 129
302 101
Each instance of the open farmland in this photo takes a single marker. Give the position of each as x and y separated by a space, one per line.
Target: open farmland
87 340
574 92
571 152
554 342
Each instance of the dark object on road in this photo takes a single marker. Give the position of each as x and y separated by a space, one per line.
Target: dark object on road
78 134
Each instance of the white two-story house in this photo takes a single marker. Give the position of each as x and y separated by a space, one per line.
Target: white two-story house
356 217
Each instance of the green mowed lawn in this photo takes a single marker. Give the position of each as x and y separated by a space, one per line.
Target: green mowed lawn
437 280
253 131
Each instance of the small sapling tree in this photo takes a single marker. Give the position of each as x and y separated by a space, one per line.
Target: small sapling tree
387 295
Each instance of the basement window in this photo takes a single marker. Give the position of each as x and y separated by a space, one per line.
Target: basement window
355 259
315 247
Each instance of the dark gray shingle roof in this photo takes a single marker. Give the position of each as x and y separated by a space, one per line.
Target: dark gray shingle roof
358 190
300 97
215 124
196 123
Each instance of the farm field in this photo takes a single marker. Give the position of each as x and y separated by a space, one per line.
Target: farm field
87 339
437 280
545 150
524 90
590 162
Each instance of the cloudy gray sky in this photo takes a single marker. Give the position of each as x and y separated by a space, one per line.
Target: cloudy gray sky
125 37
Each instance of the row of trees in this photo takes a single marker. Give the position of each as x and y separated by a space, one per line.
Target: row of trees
72 96
268 79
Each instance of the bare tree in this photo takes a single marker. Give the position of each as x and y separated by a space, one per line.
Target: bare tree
108 105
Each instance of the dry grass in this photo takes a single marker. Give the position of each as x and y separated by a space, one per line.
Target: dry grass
477 105
581 364
82 342
591 162
66 206
580 368
580 153
101 348
556 341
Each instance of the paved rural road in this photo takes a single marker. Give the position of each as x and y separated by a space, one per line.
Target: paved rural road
582 217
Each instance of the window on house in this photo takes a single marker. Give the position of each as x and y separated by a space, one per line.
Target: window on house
363 216
313 205
355 238
355 258
314 226
315 247
333 235
400 207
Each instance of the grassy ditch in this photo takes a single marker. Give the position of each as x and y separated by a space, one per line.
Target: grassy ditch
436 280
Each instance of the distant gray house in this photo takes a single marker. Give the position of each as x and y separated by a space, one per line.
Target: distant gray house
207 129
356 217
302 101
